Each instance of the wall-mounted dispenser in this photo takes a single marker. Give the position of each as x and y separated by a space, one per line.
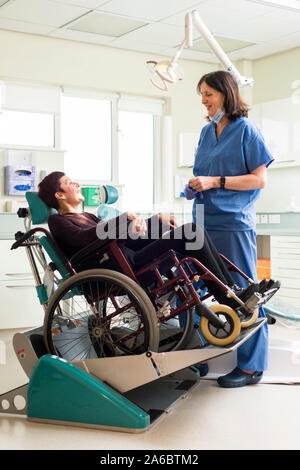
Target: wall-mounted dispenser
20 172
91 195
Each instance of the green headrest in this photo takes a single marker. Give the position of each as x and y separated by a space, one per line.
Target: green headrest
38 209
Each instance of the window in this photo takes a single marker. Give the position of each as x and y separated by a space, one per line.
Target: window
136 160
28 115
95 152
27 129
86 138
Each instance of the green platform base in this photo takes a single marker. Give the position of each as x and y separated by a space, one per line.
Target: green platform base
60 393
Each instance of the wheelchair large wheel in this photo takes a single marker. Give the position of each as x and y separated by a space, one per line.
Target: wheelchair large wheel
100 313
221 336
176 333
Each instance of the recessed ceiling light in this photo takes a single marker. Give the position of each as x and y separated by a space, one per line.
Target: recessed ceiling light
107 25
227 44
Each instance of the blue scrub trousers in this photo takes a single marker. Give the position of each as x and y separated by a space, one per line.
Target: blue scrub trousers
240 249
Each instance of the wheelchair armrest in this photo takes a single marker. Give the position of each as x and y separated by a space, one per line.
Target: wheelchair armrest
93 248
119 233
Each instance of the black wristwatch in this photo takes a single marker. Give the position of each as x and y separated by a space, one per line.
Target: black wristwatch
222 182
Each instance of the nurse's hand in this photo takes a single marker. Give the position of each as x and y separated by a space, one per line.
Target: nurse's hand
203 183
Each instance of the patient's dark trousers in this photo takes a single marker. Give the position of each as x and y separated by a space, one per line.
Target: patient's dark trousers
187 240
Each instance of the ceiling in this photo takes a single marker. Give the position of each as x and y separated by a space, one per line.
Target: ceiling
245 29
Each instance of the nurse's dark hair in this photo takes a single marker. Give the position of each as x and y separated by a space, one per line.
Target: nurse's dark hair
225 83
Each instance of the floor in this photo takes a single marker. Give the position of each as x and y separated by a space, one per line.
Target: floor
264 416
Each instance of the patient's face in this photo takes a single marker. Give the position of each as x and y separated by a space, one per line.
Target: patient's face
70 191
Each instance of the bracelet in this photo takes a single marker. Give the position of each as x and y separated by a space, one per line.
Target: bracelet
222 182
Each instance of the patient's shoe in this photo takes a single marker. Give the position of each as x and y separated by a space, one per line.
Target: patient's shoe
272 284
244 293
202 369
238 378
263 285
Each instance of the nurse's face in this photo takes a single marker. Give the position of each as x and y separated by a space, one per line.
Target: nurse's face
211 98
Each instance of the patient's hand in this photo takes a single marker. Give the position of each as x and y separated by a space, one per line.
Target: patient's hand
168 220
138 225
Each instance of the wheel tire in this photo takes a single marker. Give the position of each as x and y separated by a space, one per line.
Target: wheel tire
210 333
250 321
171 337
103 331
181 337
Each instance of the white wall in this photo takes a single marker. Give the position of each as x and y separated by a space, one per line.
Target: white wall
61 62
274 78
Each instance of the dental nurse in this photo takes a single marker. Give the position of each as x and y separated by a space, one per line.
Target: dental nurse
230 170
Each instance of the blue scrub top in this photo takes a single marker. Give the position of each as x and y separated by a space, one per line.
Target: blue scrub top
239 150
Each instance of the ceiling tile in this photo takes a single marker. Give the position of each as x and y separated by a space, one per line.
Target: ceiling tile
108 25
267 28
203 56
190 55
137 46
281 4
157 33
64 33
212 12
90 4
261 50
272 28
23 27
152 10
227 44
292 18
41 11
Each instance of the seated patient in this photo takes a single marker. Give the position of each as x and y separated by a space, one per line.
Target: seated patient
73 230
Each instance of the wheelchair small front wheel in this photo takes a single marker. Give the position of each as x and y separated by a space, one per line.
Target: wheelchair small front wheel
250 319
224 335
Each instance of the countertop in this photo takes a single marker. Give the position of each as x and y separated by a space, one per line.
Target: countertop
289 224
10 223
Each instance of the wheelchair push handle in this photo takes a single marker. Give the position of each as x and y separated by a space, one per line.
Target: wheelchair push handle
23 212
21 237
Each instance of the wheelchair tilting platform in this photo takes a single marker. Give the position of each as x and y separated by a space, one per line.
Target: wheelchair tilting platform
125 393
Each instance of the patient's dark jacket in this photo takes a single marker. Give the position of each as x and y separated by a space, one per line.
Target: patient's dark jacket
73 231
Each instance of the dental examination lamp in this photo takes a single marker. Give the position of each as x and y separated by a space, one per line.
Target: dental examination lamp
165 72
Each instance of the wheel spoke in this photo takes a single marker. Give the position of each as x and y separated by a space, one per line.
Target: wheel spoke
106 319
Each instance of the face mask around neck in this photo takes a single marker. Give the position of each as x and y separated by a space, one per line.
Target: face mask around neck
216 118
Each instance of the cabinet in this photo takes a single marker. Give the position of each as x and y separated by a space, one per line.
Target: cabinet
285 266
20 307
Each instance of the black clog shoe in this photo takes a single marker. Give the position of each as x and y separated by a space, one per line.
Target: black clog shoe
238 378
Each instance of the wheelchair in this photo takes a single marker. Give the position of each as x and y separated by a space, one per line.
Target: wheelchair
98 313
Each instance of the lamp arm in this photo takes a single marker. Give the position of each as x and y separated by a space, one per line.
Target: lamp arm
181 47
216 48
